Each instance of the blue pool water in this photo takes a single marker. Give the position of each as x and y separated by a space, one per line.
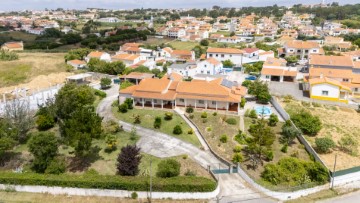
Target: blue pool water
263 110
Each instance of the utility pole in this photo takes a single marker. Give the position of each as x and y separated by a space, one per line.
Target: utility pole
150 181
333 174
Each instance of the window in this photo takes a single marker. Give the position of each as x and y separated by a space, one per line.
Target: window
268 77
217 55
345 80
325 93
314 51
213 102
356 89
210 55
205 66
155 101
230 55
306 51
208 72
222 55
298 51
201 102
182 100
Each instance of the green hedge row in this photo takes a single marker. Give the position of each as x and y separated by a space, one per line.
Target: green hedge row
138 183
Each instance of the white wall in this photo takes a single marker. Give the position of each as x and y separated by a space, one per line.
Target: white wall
235 58
334 92
205 67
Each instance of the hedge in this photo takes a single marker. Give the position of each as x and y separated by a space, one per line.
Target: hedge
137 183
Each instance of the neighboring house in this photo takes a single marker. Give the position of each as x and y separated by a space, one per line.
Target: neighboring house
290 33
108 20
210 66
216 36
170 93
337 42
36 31
276 70
103 56
128 59
355 55
301 49
324 88
188 69
135 77
13 46
174 55
223 54
77 64
233 39
263 55
251 52
134 48
176 32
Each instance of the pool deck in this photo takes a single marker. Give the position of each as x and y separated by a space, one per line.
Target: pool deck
253 105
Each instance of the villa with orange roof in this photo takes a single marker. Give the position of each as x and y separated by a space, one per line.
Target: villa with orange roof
171 92
210 66
301 49
223 54
13 46
77 64
103 56
174 55
128 59
276 70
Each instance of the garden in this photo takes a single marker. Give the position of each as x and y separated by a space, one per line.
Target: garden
67 144
337 132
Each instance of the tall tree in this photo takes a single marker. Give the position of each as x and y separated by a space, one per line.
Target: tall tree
128 161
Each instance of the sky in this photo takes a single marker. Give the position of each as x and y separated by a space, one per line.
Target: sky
10 5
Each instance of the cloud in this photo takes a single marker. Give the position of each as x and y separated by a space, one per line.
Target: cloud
125 4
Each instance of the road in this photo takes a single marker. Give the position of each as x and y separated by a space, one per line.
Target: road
349 198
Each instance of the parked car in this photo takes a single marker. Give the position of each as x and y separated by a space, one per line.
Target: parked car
304 70
251 77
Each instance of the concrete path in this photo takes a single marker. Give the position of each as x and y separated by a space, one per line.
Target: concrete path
197 133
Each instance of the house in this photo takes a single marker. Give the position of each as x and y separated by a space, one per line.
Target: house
324 88
103 56
13 46
333 62
168 92
290 33
216 36
77 64
210 66
301 49
233 39
134 48
128 59
276 70
176 32
36 31
188 69
251 52
223 54
174 55
135 77
337 42
355 55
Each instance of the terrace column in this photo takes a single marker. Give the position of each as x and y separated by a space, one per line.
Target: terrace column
195 103
143 102
134 102
227 106
152 103
162 104
174 102
185 102
216 106
206 104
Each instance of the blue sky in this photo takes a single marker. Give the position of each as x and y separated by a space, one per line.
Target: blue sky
6 5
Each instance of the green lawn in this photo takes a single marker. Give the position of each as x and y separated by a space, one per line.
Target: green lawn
18 36
214 128
183 45
147 120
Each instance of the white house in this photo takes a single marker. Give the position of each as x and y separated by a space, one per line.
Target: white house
176 32
324 88
129 59
77 64
276 70
233 39
210 66
223 54
103 56
36 31
301 49
185 69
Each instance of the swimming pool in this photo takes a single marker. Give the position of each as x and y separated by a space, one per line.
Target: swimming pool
263 110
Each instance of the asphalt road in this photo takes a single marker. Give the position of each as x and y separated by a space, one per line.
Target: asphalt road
349 198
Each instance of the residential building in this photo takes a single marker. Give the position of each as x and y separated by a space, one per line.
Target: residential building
251 52
301 49
13 46
276 70
103 56
210 66
175 55
176 32
188 69
129 59
77 64
324 88
337 42
135 77
223 54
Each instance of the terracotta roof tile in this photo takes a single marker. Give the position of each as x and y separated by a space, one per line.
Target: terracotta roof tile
315 81
225 50
319 60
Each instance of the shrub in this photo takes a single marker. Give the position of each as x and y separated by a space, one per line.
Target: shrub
191 131
157 122
284 148
215 114
8 55
224 138
231 121
177 130
168 168
273 120
242 103
246 83
123 108
45 122
185 156
56 166
305 104
323 145
204 114
100 93
253 114
134 195
128 161
264 97
111 143
129 103
269 155
205 120
204 42
168 116
190 173
237 148
240 138
191 116
288 98
247 113
316 104
237 158
190 110
137 119
307 123
105 83
348 144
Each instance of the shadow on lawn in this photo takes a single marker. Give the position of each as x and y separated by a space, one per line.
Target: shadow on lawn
79 164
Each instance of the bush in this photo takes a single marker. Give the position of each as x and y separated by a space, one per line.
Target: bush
269 155
273 120
191 116
132 183
253 114
284 148
129 103
307 123
189 110
128 161
246 83
190 173
231 121
168 116
204 42
237 158
177 130
168 168
134 195
191 131
349 144
105 83
45 122
111 143
137 119
8 55
237 148
224 138
323 145
205 120
56 166
100 93
157 122
204 114
215 114
288 98
242 102
123 108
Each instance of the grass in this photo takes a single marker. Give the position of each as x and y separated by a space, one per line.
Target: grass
19 36
218 128
45 197
29 66
147 120
183 45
